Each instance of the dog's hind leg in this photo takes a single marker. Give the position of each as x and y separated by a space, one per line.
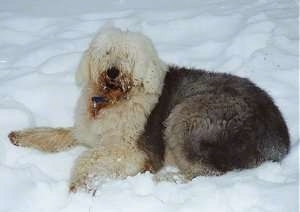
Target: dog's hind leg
44 139
209 135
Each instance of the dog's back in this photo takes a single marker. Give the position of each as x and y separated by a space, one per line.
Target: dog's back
212 123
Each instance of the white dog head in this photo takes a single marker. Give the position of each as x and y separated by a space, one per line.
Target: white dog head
122 59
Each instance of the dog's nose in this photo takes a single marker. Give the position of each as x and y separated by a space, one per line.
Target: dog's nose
113 73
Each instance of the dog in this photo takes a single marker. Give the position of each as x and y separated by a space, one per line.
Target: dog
136 113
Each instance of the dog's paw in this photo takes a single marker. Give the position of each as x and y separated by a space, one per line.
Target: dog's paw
73 188
82 184
78 185
170 174
14 137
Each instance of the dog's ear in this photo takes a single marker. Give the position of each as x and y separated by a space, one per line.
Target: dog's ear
83 71
155 76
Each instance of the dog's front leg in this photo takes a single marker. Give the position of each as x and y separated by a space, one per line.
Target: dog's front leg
111 161
44 138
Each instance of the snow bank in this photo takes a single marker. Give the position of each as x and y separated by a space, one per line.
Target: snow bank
41 43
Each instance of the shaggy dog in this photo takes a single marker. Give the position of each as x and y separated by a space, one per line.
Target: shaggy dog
136 113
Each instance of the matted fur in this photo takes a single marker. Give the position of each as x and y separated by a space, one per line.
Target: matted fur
158 115
113 132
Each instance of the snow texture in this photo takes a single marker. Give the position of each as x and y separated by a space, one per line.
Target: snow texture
40 46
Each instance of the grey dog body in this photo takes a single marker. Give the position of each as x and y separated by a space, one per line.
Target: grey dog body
216 120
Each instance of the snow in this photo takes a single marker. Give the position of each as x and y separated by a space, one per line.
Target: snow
40 46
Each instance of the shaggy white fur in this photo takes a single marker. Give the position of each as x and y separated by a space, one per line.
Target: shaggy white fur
113 132
131 52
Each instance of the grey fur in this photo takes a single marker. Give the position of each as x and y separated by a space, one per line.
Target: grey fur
211 123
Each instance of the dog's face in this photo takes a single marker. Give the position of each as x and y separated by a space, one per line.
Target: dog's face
118 62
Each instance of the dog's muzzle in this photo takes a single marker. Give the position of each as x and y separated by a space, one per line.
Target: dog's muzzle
112 73
114 79
113 87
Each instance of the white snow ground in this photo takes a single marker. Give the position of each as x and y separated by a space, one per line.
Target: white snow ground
40 46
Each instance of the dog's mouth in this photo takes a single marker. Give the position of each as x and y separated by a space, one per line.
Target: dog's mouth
112 87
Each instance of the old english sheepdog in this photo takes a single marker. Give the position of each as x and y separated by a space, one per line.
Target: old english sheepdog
136 113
